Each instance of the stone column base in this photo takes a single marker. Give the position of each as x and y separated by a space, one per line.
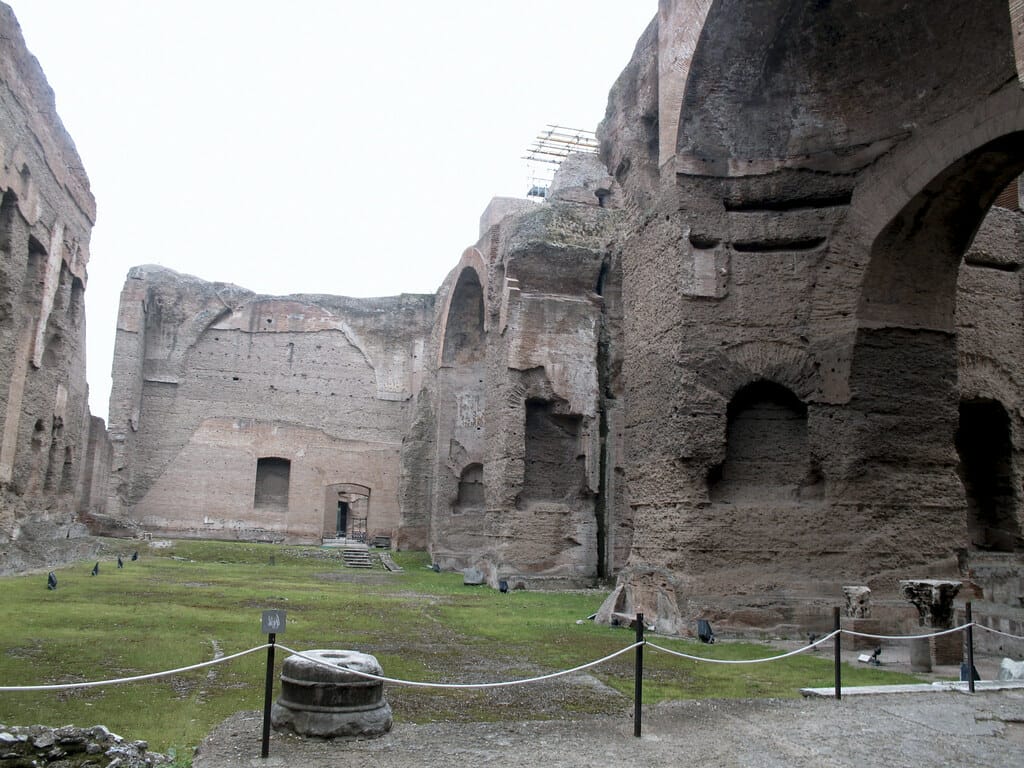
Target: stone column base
948 649
921 655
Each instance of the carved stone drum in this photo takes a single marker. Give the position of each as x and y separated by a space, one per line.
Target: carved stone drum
329 701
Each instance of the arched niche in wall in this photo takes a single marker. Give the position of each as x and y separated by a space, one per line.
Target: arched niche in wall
470 496
766 455
464 326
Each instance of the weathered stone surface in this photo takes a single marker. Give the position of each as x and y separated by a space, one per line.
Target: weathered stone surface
39 745
769 348
808 325
323 698
858 602
287 412
46 217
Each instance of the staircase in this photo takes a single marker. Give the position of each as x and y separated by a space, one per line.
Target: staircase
357 556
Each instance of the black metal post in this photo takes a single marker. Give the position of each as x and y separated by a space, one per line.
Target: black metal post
268 695
970 647
638 677
838 648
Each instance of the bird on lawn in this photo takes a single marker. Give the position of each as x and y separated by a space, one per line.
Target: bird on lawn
120 562
135 555
51 580
96 569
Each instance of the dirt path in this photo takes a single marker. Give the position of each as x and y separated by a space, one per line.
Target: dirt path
895 730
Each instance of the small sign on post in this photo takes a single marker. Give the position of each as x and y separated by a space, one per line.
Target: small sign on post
272 622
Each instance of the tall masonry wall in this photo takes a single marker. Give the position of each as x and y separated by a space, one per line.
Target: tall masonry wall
823 377
46 216
235 415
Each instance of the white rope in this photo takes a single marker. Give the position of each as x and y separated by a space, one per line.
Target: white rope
502 684
136 678
998 632
906 637
745 661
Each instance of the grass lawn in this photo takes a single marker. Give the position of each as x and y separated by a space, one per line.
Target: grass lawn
185 604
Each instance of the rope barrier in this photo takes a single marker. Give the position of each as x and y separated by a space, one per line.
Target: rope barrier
744 661
136 678
504 684
909 637
997 632
500 684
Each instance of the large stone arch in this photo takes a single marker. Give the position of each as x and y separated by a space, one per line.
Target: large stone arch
455 539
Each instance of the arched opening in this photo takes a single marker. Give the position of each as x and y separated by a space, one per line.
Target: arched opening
471 489
766 454
983 442
911 342
915 260
460 441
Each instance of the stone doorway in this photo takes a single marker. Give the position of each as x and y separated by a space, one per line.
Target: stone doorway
346 511
342 526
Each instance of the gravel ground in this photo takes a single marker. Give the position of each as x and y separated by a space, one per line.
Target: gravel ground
913 730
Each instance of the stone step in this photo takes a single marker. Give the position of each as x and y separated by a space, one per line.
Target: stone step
389 564
357 558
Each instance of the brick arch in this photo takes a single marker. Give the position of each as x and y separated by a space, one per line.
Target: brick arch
786 364
471 268
914 258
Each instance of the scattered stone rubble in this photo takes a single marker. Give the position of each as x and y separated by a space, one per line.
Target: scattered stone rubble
72 747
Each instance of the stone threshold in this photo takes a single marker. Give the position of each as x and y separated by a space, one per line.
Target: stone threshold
942 685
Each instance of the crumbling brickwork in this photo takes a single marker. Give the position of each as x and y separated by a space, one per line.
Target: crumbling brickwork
803 181
235 415
46 216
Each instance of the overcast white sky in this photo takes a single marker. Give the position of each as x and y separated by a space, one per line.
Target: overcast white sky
315 146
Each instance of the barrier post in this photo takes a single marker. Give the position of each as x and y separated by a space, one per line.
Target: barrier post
268 695
970 647
638 677
838 647
272 622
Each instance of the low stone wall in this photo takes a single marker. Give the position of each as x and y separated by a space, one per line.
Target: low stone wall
71 747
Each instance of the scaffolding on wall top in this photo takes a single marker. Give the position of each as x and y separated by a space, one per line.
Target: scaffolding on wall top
552 145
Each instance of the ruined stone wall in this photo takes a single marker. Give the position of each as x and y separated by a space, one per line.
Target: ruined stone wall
794 370
522 397
46 216
210 379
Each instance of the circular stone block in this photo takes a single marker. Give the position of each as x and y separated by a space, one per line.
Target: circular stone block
329 701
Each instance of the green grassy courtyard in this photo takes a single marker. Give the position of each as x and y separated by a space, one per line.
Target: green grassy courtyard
187 603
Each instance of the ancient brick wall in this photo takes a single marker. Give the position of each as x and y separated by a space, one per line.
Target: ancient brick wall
794 369
211 381
523 395
46 216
